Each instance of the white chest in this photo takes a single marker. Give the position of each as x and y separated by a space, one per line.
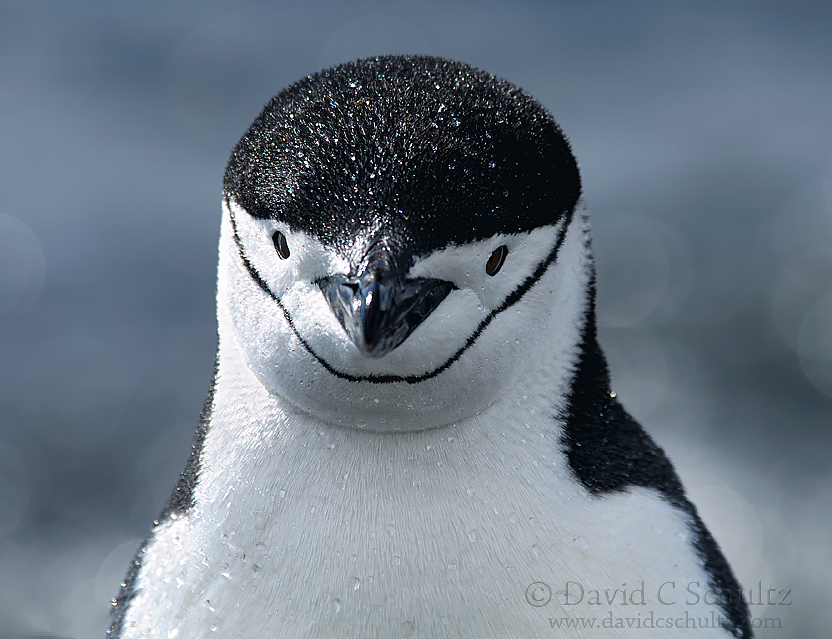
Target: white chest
329 532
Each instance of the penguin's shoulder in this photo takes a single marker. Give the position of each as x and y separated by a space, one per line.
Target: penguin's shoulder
608 450
610 454
179 504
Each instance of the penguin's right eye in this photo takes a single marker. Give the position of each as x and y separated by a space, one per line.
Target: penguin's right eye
281 245
495 262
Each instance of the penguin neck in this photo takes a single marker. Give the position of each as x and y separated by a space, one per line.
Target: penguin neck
261 451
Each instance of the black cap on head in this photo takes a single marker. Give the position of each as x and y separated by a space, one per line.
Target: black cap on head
428 151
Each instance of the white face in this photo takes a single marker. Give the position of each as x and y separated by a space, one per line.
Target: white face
458 360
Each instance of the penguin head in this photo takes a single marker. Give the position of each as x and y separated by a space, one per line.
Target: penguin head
384 223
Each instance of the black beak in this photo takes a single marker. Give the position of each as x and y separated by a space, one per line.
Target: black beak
377 307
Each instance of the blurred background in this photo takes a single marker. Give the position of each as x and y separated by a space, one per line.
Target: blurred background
704 133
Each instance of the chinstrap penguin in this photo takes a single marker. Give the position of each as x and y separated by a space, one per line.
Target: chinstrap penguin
410 430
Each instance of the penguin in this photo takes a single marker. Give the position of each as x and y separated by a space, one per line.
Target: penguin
411 429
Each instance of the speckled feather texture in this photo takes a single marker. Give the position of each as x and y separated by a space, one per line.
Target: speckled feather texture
475 480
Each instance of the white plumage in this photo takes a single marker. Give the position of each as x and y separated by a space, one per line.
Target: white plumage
420 493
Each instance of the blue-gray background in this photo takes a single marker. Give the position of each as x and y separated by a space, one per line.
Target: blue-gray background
704 133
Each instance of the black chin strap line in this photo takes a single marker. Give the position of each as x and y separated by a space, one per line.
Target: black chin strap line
515 296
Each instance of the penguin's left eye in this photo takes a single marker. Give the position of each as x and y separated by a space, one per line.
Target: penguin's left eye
495 262
281 245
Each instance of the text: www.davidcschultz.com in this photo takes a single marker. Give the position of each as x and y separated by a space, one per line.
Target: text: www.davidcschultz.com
651 621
